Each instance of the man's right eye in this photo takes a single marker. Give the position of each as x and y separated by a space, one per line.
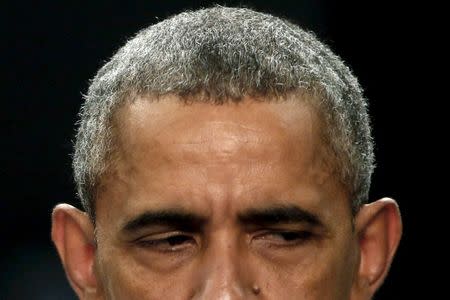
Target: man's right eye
171 242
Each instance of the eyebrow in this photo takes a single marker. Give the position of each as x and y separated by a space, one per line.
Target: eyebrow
187 221
174 218
279 214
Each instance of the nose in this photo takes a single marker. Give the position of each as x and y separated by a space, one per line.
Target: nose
224 274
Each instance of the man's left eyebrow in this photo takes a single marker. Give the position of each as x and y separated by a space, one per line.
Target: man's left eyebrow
279 214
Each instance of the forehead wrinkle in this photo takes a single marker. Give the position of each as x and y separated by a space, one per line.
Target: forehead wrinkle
221 134
227 151
215 141
218 139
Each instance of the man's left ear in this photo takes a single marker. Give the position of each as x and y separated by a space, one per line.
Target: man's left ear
379 229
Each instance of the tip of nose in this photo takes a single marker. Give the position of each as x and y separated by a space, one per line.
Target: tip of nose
224 292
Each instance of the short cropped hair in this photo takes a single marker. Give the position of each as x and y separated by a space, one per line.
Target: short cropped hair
225 54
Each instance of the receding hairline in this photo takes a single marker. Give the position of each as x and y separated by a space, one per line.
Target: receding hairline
213 51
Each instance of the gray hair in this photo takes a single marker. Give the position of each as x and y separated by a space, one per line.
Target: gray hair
225 54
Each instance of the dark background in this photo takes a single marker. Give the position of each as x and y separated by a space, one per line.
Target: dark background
53 48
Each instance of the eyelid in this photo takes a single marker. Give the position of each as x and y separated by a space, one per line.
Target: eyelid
161 242
162 235
281 231
281 228
268 236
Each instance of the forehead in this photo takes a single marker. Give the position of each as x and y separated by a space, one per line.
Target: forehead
218 160
209 133
172 150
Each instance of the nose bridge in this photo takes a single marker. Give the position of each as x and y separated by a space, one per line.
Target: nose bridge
223 276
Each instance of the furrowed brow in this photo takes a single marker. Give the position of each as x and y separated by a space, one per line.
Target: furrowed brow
173 218
274 215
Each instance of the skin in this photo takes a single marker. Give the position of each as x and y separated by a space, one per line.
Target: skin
218 164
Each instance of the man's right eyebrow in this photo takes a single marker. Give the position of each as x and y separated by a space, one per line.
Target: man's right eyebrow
179 219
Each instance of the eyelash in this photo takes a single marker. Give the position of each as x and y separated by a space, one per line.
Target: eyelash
288 238
178 242
170 243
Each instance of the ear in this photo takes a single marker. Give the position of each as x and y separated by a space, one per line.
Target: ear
379 229
73 235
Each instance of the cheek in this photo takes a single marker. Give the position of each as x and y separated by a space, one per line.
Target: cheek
310 274
325 274
125 277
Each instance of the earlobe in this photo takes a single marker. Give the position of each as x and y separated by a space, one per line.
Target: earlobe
73 235
379 228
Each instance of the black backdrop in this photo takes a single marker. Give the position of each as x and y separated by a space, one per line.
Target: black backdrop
54 48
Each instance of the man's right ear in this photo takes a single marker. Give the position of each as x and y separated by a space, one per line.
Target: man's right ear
73 235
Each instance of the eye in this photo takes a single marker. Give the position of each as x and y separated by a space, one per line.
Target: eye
170 242
284 238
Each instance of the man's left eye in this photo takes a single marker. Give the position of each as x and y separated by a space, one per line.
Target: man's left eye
284 238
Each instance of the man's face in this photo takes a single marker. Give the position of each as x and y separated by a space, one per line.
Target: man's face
223 202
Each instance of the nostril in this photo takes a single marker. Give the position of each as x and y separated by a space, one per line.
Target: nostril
255 289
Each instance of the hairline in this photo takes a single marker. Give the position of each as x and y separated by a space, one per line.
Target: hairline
343 102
